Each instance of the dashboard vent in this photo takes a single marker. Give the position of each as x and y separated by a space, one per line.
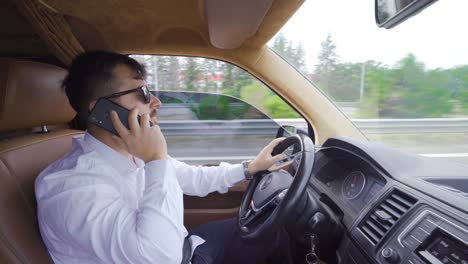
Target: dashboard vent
385 215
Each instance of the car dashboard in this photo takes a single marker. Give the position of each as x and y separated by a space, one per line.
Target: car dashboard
348 180
391 211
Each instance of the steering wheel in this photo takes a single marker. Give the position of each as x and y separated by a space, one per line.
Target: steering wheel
272 196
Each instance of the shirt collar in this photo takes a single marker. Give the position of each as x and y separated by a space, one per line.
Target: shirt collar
117 160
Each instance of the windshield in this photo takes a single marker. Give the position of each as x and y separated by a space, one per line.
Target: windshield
406 87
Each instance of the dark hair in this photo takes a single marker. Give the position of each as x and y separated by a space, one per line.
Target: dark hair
90 77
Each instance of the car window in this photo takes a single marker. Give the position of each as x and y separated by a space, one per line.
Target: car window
406 87
213 111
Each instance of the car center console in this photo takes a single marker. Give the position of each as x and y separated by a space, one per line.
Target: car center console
430 237
406 227
407 219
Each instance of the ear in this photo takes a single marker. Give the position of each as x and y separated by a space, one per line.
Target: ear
91 105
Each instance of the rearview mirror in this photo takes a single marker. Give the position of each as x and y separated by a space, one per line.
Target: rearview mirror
389 13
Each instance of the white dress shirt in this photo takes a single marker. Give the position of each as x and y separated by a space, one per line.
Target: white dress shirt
97 206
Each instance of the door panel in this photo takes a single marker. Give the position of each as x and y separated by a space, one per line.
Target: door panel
214 206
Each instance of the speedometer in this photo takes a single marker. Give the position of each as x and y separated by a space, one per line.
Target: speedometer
353 185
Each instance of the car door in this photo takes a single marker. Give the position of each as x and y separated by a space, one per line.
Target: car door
213 112
206 129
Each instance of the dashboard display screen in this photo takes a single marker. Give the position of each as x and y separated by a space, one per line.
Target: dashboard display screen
444 249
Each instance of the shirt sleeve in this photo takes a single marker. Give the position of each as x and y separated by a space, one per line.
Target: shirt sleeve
202 180
95 218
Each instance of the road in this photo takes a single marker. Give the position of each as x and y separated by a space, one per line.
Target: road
235 148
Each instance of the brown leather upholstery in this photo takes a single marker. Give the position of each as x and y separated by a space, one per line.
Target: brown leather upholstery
31 94
23 158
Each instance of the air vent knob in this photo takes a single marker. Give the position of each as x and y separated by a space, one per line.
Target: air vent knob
383 216
390 255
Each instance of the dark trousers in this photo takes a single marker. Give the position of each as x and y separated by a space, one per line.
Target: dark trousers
224 245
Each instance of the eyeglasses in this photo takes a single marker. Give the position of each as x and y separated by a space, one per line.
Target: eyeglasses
144 91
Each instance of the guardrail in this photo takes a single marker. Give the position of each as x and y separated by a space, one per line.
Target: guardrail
267 127
425 125
215 127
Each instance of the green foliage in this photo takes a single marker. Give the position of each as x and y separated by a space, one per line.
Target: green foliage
377 88
459 87
406 91
214 107
277 108
325 69
235 79
464 100
169 100
344 82
254 93
267 101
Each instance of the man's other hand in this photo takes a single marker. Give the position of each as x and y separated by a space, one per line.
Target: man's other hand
264 159
141 140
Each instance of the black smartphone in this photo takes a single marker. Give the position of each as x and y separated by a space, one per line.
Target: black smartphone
100 115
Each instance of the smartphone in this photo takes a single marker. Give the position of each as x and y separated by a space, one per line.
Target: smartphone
100 115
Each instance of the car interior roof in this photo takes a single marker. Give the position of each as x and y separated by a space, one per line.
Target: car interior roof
17 35
150 26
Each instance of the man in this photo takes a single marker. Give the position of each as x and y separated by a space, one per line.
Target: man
118 199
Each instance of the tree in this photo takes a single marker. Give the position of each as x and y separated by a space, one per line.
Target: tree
235 79
173 81
209 71
162 68
280 44
345 82
191 74
290 52
420 93
459 87
327 61
406 91
377 90
327 57
296 56
228 76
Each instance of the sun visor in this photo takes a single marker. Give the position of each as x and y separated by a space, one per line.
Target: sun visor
230 23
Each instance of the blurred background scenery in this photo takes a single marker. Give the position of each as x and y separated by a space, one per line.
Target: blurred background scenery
406 87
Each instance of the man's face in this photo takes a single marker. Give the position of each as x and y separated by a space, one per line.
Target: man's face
127 79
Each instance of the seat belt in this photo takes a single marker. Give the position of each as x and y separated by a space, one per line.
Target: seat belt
187 250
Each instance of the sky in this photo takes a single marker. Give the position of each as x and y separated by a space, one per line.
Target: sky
437 36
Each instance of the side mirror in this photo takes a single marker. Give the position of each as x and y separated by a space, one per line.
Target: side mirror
389 13
287 131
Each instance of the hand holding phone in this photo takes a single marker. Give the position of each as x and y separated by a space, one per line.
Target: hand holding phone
141 138
100 115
